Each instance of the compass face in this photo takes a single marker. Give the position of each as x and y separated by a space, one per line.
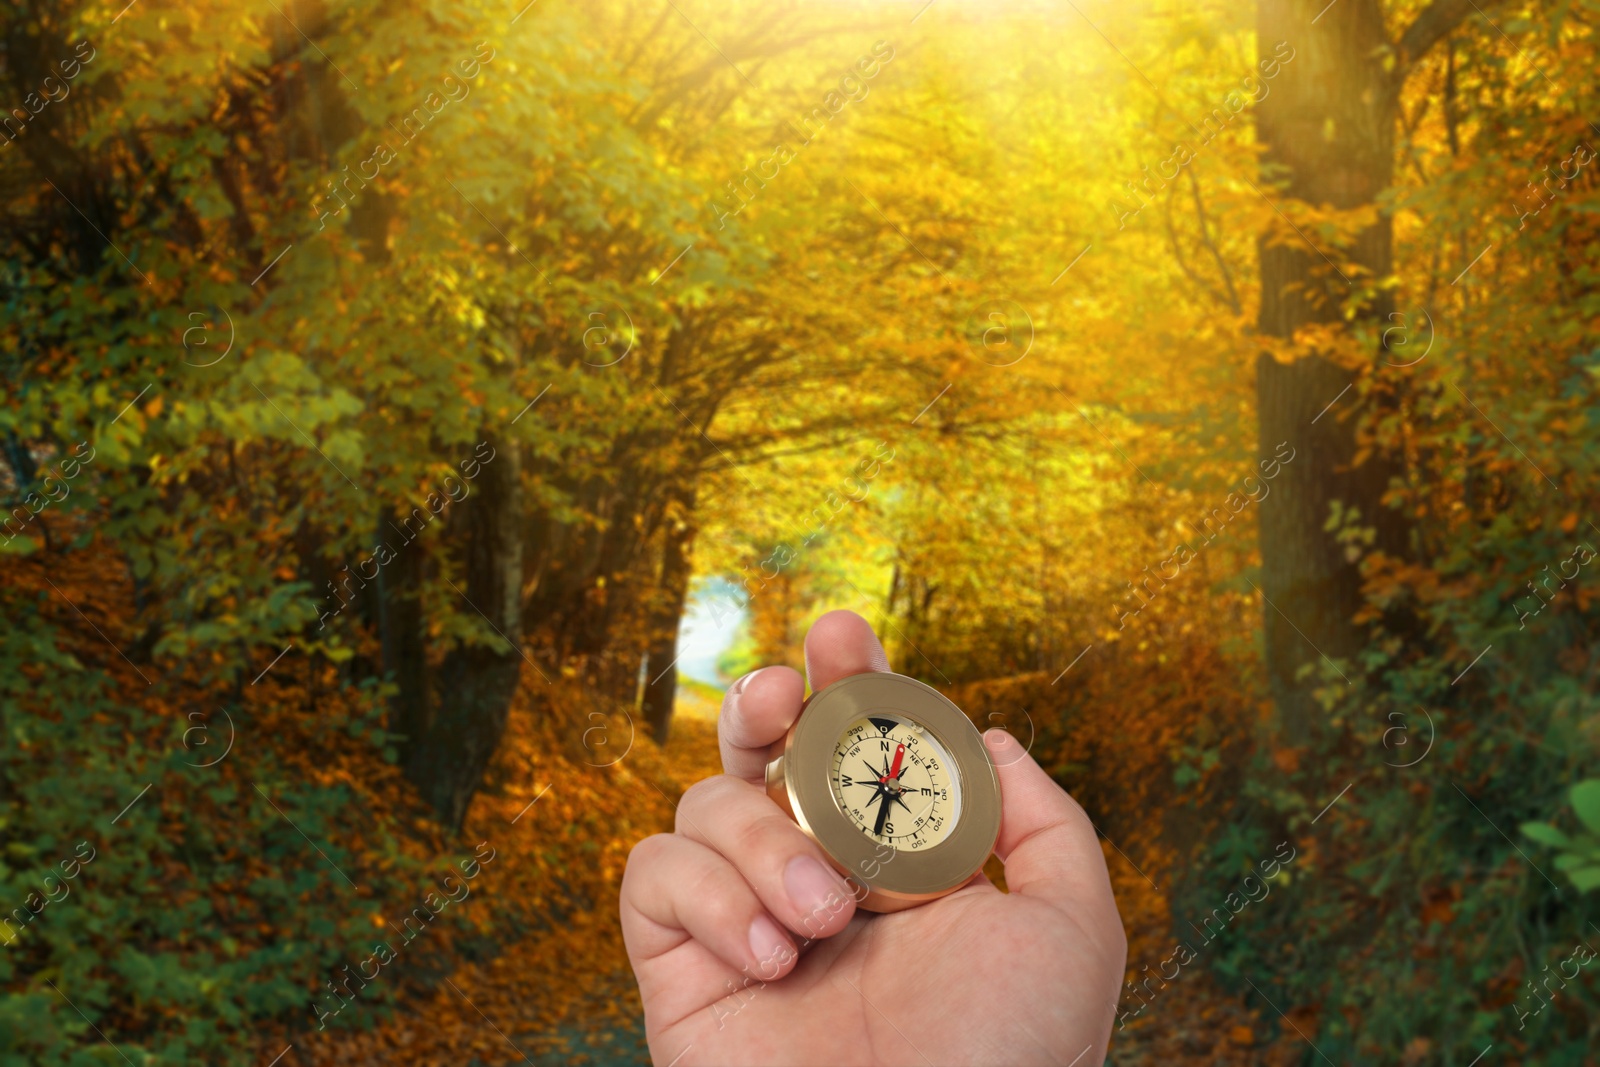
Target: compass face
895 782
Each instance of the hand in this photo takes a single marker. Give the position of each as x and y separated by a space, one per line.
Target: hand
748 949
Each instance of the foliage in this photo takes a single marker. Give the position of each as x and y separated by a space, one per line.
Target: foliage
692 273
1580 855
202 916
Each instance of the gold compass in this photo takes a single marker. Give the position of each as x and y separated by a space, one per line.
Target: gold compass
894 783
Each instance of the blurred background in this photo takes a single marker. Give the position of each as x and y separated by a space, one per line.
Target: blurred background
416 414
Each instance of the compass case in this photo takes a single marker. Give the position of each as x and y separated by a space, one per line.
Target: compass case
798 780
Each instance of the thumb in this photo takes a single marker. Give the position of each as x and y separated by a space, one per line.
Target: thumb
1047 843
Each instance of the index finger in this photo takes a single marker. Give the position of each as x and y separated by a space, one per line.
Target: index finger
756 711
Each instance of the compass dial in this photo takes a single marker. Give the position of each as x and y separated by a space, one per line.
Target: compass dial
895 782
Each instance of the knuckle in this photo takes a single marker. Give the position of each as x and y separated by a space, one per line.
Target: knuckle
645 853
701 799
649 850
764 833
721 898
704 792
749 836
711 803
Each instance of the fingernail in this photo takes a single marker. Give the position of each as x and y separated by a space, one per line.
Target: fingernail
767 942
996 738
739 686
812 887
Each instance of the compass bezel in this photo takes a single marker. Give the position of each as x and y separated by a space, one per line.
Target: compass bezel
799 778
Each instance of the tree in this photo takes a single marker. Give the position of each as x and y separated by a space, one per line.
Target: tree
1328 130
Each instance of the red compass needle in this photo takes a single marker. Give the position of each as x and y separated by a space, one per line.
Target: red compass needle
894 771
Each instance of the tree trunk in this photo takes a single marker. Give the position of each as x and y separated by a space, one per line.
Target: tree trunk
475 683
403 633
1328 128
661 685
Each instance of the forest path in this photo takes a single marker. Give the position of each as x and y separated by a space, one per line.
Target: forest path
1191 1020
595 1018
565 994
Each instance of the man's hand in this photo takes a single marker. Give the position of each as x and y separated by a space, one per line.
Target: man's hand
748 948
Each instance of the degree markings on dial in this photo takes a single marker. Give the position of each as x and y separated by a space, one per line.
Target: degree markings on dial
856 747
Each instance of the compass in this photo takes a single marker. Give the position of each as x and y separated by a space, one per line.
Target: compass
894 783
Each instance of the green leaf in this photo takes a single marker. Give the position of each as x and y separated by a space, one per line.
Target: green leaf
21 546
1586 802
1546 834
1586 879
